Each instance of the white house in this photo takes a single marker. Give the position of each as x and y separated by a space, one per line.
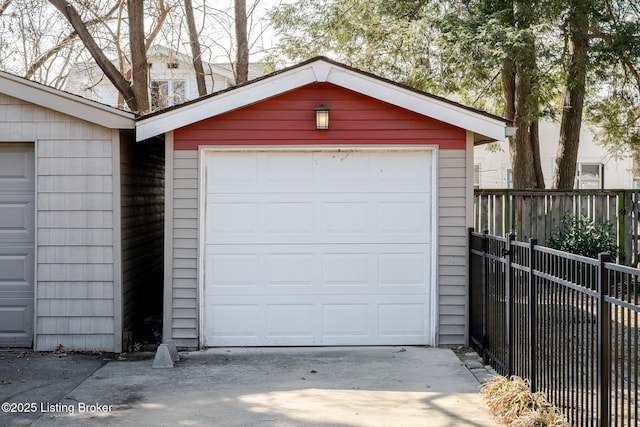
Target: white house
171 79
596 168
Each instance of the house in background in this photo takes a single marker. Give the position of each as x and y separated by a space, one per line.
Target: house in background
284 231
596 168
171 79
81 221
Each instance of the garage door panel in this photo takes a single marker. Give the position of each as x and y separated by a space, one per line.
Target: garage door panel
340 269
347 321
233 269
404 268
289 218
343 172
16 269
318 218
292 269
409 170
406 319
290 320
313 320
17 165
234 219
225 174
317 269
322 248
16 318
16 217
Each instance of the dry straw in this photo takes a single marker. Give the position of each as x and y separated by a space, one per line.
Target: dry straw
513 403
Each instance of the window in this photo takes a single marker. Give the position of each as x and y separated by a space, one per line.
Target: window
165 93
636 173
509 178
476 175
590 176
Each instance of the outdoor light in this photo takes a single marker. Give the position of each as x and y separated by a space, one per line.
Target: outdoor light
322 117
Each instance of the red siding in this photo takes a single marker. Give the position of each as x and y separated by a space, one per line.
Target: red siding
289 119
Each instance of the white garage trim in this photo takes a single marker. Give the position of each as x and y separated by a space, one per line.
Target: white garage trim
202 192
323 70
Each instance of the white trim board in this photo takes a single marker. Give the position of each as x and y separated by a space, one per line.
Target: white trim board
434 200
323 70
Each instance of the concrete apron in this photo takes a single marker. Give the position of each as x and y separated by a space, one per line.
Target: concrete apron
338 386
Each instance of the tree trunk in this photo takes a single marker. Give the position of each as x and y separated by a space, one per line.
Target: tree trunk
139 65
534 132
242 53
110 71
525 162
195 48
577 62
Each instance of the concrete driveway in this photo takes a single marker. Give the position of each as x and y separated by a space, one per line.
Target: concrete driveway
368 386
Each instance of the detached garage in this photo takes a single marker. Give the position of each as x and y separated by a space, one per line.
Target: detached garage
319 205
81 221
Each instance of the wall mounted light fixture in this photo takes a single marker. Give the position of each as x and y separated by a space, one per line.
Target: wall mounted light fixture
322 117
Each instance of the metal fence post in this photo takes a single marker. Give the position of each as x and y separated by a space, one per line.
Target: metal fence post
485 294
604 342
508 289
533 317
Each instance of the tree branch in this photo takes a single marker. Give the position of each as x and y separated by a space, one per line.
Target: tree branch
68 40
110 71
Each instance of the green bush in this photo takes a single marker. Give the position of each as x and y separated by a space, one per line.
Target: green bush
580 235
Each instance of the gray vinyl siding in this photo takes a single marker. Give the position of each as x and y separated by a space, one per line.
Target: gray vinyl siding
184 267
74 225
142 207
452 259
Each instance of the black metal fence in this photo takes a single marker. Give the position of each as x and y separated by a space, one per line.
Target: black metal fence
569 324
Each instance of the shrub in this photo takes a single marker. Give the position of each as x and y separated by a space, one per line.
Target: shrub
512 402
580 235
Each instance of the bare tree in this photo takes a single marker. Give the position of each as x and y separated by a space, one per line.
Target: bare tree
139 65
242 42
110 70
195 48
67 41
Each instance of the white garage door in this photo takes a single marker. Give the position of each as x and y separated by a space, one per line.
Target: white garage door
318 248
17 193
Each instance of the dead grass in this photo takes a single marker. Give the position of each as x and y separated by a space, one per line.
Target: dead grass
512 403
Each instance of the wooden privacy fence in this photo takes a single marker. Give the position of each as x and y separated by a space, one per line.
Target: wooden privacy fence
537 213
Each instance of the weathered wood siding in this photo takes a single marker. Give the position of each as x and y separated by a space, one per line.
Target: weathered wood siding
74 225
142 207
289 119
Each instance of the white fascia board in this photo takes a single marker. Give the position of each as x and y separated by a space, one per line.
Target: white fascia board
322 71
66 103
416 102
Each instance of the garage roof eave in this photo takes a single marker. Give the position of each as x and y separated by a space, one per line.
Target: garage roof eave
66 103
321 69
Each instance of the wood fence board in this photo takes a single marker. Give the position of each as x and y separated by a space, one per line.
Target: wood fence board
538 213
